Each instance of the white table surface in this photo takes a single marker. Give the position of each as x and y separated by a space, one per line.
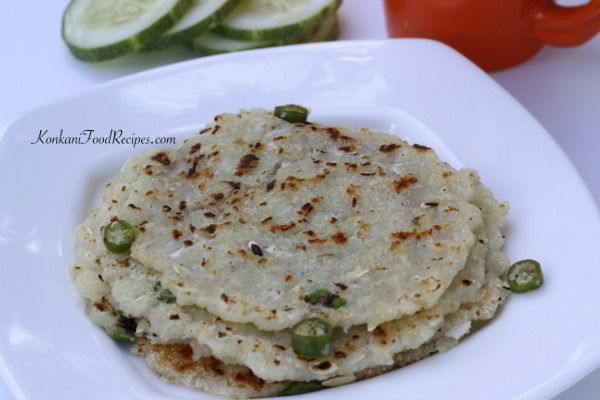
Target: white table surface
560 87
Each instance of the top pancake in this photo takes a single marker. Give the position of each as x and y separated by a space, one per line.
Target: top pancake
253 214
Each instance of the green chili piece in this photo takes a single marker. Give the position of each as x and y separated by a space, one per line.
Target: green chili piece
326 298
292 113
311 337
314 297
301 388
164 295
338 302
122 335
525 275
118 236
124 330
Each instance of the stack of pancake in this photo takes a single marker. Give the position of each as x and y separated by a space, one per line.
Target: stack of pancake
240 226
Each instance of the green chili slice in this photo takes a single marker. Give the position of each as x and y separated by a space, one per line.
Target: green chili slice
300 388
124 330
292 113
326 298
525 275
122 335
164 295
311 337
118 236
338 302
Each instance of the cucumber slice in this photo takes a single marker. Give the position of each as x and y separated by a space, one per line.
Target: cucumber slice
211 43
259 20
329 30
96 30
201 18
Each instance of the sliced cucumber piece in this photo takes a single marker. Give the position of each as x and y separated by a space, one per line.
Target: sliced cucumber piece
328 30
211 43
201 18
259 20
96 30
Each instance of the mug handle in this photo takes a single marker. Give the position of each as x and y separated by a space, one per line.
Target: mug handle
563 26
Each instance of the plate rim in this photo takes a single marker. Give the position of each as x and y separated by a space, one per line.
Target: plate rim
562 382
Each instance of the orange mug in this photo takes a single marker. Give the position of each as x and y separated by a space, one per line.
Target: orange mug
494 34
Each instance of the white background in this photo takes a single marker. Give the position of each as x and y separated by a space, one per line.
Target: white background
560 87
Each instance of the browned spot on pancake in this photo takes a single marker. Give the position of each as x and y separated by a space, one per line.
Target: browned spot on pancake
339 238
399 237
380 335
404 182
246 164
306 209
195 148
282 227
161 158
335 134
388 148
246 378
210 229
348 149
420 147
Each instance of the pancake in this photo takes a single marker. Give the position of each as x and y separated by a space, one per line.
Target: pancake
252 215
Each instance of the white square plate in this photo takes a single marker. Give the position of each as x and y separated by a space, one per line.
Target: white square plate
540 343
